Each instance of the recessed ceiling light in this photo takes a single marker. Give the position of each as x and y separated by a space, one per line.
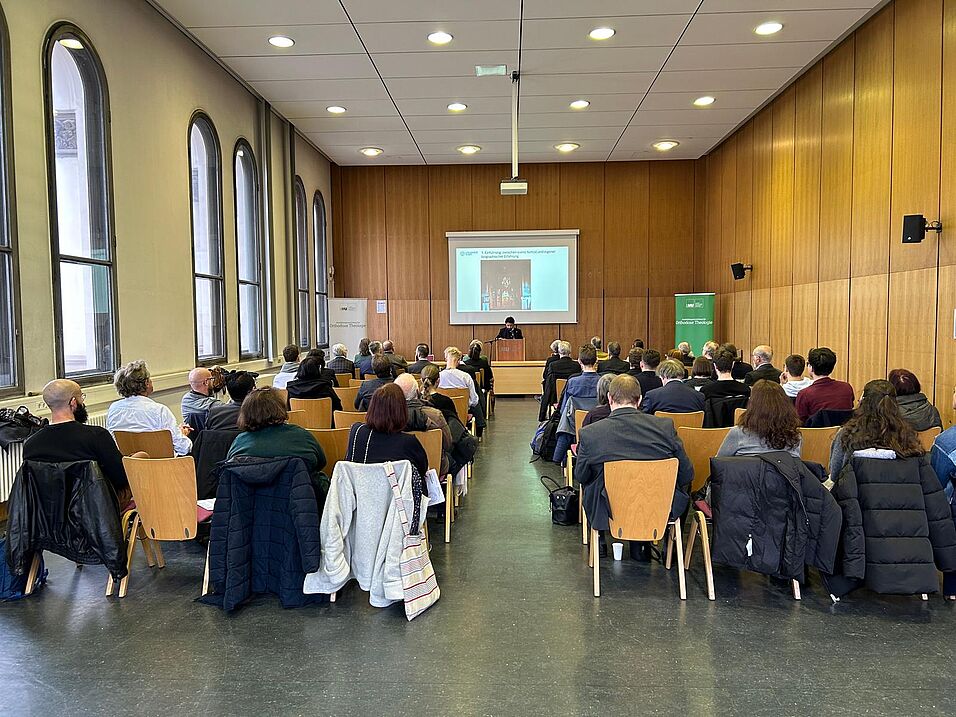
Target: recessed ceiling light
440 38
580 105
469 149
665 145
705 101
566 146
335 109
601 33
371 151
71 43
281 41
768 28
457 107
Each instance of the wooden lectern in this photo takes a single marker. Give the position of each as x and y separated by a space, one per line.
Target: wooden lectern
509 350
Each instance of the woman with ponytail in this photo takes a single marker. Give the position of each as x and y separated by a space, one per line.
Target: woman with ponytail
430 377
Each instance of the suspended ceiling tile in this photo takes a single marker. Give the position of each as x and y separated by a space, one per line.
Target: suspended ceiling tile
689 115
762 5
798 26
304 67
347 123
744 56
599 103
332 90
382 37
575 119
534 9
449 88
642 31
735 99
430 10
597 60
712 81
582 84
438 107
309 40
460 123
355 108
568 134
461 136
245 13
447 64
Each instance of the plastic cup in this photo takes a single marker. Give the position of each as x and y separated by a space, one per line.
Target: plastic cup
618 549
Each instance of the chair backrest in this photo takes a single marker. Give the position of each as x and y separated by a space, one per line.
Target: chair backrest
318 411
480 375
157 444
701 444
298 418
342 379
345 419
347 395
335 444
559 385
452 392
928 437
691 420
431 442
355 382
640 494
579 417
165 493
461 408
369 376
816 444
738 412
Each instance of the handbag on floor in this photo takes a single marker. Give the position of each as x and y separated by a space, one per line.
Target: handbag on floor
564 502
419 584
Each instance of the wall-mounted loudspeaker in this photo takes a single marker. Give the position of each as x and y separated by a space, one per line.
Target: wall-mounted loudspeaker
915 227
740 270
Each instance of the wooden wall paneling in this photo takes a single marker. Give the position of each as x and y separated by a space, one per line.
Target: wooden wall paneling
744 214
715 171
701 186
443 333
947 190
582 207
409 323
407 232
537 338
911 328
626 254
804 312
946 345
660 323
869 296
723 317
781 210
671 228
833 322
590 323
836 172
781 321
490 210
872 146
728 221
449 210
806 177
742 321
762 183
759 319
364 220
917 87
625 319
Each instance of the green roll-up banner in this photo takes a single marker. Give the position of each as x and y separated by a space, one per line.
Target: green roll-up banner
694 320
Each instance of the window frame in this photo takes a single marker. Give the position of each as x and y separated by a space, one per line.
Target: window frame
8 208
197 116
245 146
59 29
298 191
318 201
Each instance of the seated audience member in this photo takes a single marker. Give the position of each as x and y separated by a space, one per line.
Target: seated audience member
792 377
365 364
431 375
627 435
763 366
914 406
340 362
290 355
823 392
266 433
676 355
552 358
725 385
382 438
197 401
597 345
603 409
464 445
382 368
326 373
613 362
136 412
634 357
477 362
637 344
225 416
686 355
674 396
423 416
700 373
453 376
67 438
363 352
564 367
709 350
580 391
397 360
876 430
310 383
741 368
943 457
769 424
421 359
647 377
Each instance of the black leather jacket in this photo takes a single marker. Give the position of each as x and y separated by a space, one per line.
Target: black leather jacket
69 509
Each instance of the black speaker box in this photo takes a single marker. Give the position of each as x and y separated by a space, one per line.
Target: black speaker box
914 228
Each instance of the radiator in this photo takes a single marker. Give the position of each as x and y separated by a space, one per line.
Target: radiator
11 459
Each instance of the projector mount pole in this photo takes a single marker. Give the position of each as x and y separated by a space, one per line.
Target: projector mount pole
515 80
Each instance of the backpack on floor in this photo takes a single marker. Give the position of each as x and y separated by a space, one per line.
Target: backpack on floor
545 438
13 586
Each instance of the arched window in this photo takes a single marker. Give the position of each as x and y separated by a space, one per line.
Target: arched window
304 315
248 253
205 192
81 208
9 343
321 270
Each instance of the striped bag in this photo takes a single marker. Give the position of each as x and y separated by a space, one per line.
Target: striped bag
419 584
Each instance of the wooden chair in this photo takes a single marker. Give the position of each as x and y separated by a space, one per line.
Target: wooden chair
318 411
347 395
431 442
701 444
165 493
335 445
369 377
559 385
689 420
738 412
640 495
355 373
816 445
928 437
345 419
355 382
342 379
156 444
579 417
460 397
298 418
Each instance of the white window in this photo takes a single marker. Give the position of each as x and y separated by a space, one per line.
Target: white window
81 206
248 253
303 312
321 269
205 191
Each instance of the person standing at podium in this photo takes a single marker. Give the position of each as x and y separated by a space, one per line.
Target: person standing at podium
509 330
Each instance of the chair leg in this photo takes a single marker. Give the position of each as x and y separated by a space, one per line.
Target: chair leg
670 553
676 538
449 509
32 574
124 583
597 563
796 590
205 572
569 468
691 536
705 546
147 547
160 560
126 521
584 527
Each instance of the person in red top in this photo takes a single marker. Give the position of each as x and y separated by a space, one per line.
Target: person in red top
824 392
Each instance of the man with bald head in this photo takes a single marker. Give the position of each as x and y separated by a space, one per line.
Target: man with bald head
763 367
198 400
69 439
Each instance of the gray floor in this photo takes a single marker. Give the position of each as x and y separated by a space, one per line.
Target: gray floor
516 632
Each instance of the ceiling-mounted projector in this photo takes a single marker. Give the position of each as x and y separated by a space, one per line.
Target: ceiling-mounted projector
514 186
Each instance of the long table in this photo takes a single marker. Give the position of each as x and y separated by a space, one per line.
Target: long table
517 378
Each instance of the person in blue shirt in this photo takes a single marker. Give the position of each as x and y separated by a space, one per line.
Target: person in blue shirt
580 393
943 458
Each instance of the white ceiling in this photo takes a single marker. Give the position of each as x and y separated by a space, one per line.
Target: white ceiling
372 57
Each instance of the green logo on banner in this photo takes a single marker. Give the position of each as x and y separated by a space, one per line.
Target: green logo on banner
694 320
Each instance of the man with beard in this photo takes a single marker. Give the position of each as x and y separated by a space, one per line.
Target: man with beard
68 438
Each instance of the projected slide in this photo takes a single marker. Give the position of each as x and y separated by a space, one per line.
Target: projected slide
528 275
